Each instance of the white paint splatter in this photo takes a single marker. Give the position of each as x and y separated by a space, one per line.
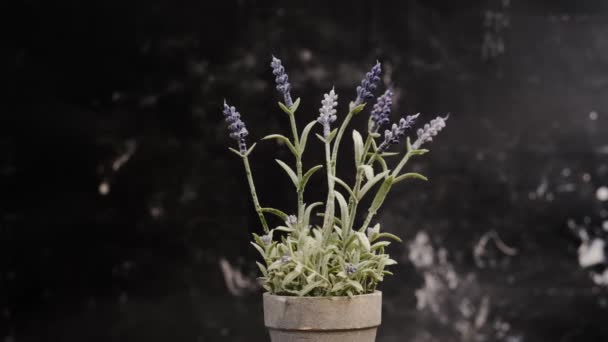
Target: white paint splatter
601 278
593 115
602 193
542 187
237 283
591 252
104 188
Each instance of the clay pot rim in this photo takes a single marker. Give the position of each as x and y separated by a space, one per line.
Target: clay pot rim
312 298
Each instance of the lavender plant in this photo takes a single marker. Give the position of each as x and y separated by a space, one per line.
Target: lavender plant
338 256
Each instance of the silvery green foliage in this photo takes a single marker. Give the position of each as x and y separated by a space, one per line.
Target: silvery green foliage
344 255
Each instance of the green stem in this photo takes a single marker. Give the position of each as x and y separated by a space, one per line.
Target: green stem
254 195
300 191
353 201
328 218
401 164
329 215
377 202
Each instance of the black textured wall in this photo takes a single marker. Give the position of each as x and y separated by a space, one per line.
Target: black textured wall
124 217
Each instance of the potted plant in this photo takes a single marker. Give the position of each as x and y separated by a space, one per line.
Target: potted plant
321 278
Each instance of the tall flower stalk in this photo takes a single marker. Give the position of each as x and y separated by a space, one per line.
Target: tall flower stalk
238 131
332 258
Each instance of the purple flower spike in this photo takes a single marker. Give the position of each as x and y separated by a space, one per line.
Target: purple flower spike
327 113
381 111
368 84
429 130
397 132
237 128
282 80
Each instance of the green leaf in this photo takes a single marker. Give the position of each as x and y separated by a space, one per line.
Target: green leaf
289 171
418 152
410 175
358 145
295 105
275 212
363 241
343 207
308 211
355 284
238 153
371 183
258 240
380 244
368 171
320 137
344 185
356 109
384 154
262 269
336 220
381 194
259 249
285 109
390 262
250 149
291 276
386 235
382 163
332 135
285 229
308 174
338 230
275 265
339 286
284 140
350 240
304 136
310 287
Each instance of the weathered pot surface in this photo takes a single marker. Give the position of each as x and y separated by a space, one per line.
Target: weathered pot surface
323 319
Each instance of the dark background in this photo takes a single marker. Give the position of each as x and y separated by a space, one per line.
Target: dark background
125 218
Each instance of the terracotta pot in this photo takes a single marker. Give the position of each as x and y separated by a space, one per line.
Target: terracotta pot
323 319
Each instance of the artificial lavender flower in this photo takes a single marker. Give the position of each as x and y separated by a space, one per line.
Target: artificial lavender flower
327 112
381 111
429 130
351 269
292 220
368 84
266 239
237 128
282 80
397 132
